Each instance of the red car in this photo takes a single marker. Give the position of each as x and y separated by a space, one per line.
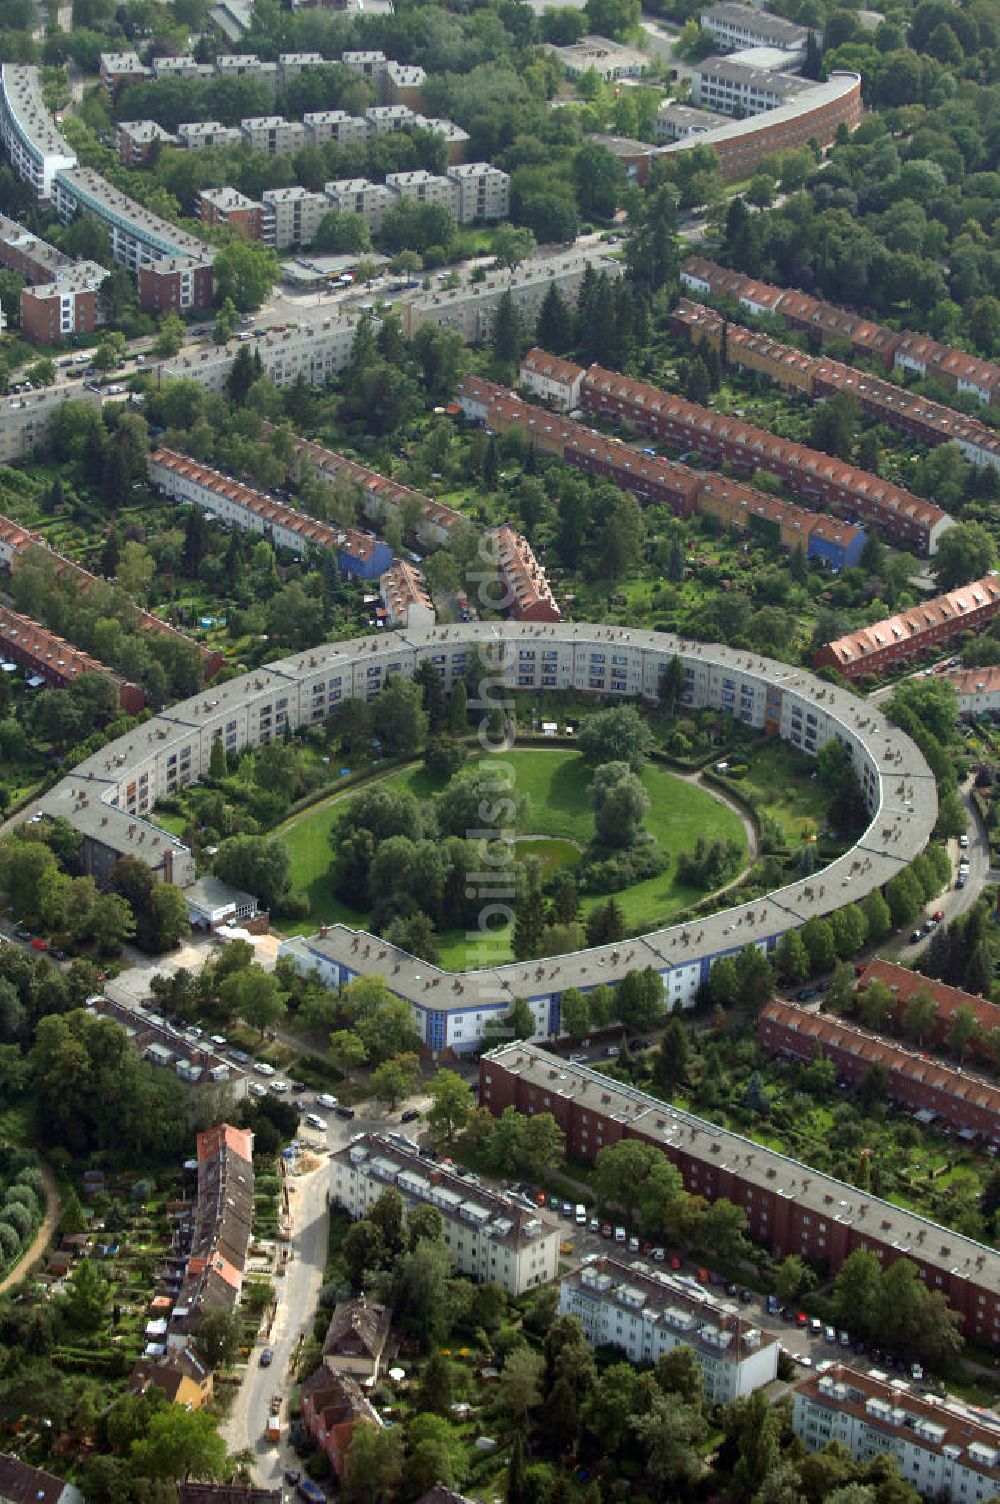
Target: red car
675 1262
802 1319
37 944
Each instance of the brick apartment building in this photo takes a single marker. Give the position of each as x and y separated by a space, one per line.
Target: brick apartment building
137 140
820 376
176 284
40 652
930 1089
958 370
903 983
527 593
53 311
790 1207
909 634
227 206
649 477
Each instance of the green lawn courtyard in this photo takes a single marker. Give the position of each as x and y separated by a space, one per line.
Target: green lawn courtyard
559 823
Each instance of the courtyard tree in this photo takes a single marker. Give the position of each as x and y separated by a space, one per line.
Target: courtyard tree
452 1102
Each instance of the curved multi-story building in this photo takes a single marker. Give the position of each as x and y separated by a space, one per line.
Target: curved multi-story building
43 157
36 147
817 112
110 797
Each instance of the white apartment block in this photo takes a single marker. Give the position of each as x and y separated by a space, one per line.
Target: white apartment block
196 135
358 196
272 134
28 133
738 26
314 352
335 125
291 216
183 66
291 64
488 1236
421 187
383 119
944 1449
470 309
728 86
646 1314
367 64
479 192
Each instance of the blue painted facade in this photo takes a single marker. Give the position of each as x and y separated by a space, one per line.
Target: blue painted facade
379 560
835 554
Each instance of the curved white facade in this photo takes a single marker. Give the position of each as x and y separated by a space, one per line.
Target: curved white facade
110 795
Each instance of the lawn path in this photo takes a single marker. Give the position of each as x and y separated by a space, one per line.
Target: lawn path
42 1237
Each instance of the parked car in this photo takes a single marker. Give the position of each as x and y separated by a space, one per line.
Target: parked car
606 1230
410 1115
257 1088
266 1358
280 1087
829 1335
620 1235
633 1245
343 1111
659 1255
313 1121
325 1100
263 1069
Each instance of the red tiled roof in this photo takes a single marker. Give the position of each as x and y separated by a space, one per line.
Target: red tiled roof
910 625
903 983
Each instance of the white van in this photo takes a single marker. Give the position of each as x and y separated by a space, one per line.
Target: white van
581 1214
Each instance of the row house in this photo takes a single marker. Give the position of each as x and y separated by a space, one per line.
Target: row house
216 1241
820 376
488 1236
976 689
57 662
931 1089
909 634
333 1405
234 504
22 1484
944 1448
381 497
959 371
527 594
405 598
790 1207
818 477
648 476
18 543
646 1313
903 983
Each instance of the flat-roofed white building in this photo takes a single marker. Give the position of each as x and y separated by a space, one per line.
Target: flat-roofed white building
647 1313
738 26
359 196
291 216
421 187
37 149
272 134
335 125
480 192
488 1236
